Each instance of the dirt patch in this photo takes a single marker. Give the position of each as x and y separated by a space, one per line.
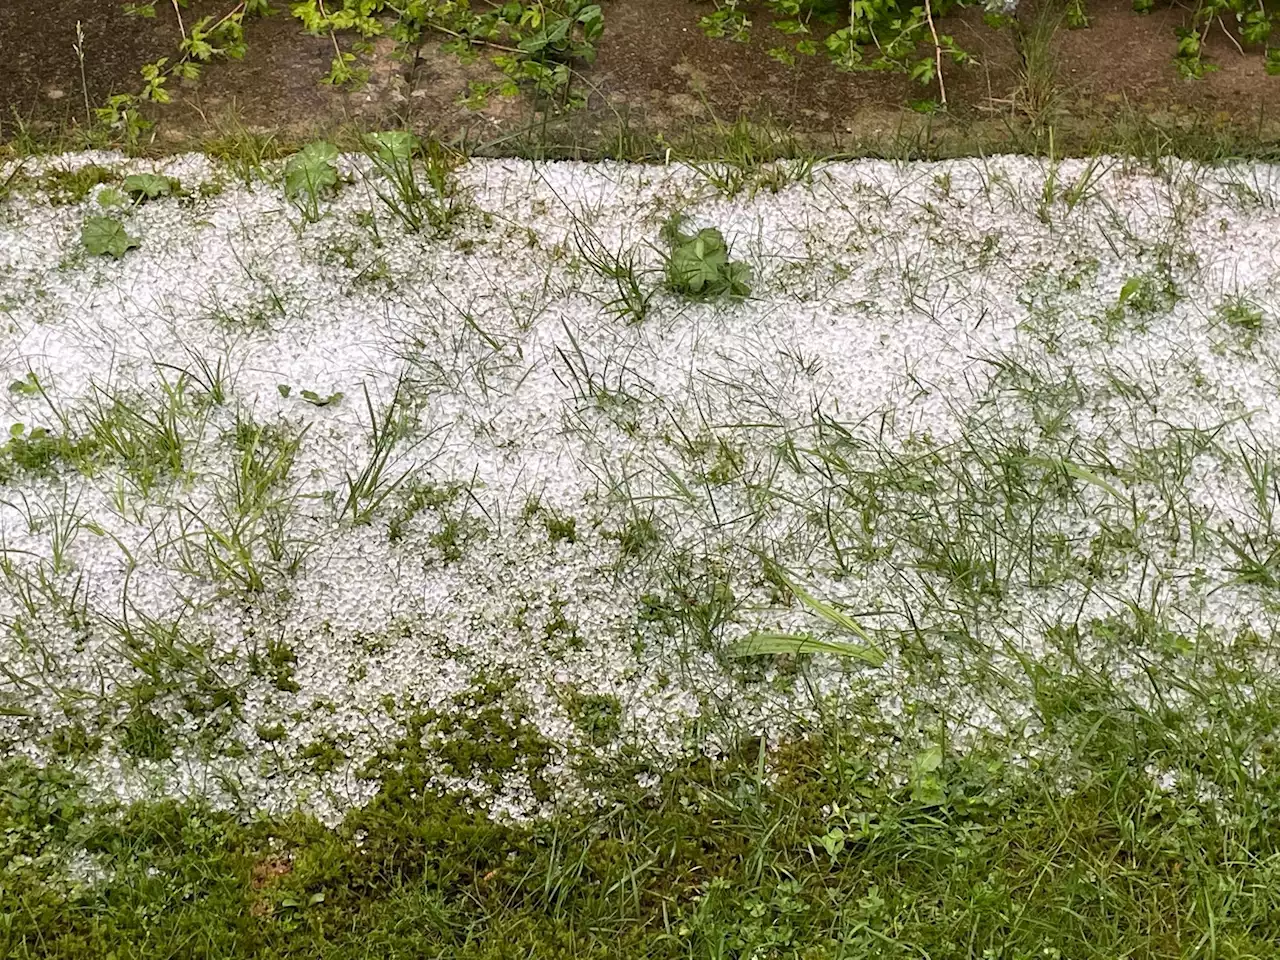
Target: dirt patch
654 57
40 71
1124 57
657 79
277 86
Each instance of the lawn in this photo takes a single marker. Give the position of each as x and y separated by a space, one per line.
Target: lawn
410 556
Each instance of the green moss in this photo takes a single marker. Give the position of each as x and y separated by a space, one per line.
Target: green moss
72 186
597 715
561 527
638 537
270 733
41 453
456 533
826 858
422 497
322 756
73 740
281 661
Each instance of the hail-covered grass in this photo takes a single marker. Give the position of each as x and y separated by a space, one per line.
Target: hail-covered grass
977 485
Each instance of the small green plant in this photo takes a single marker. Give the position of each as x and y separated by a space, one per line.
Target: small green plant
536 41
147 186
1241 315
894 35
310 175
630 300
319 400
421 193
698 264
106 236
370 487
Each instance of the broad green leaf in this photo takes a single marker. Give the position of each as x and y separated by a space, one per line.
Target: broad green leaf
1131 286
311 170
148 185
699 264
394 146
316 400
928 760
109 197
927 786
762 644
103 236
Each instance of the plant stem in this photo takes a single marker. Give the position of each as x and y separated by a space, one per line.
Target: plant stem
84 84
937 53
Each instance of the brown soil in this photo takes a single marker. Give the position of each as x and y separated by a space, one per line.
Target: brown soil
656 73
39 68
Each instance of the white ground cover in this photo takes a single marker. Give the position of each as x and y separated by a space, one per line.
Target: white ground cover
1008 415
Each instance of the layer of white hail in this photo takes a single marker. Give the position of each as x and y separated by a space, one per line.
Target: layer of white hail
892 299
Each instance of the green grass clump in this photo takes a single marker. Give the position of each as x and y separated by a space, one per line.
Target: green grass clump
37 452
812 849
64 187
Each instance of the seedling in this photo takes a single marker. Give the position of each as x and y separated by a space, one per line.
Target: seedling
106 236
310 175
698 265
28 386
316 400
147 186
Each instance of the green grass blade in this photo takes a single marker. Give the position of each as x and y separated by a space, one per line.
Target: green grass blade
762 644
1079 472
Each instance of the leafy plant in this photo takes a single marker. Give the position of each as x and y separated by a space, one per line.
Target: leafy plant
418 176
106 236
309 175
537 40
317 400
698 264
876 35
147 186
